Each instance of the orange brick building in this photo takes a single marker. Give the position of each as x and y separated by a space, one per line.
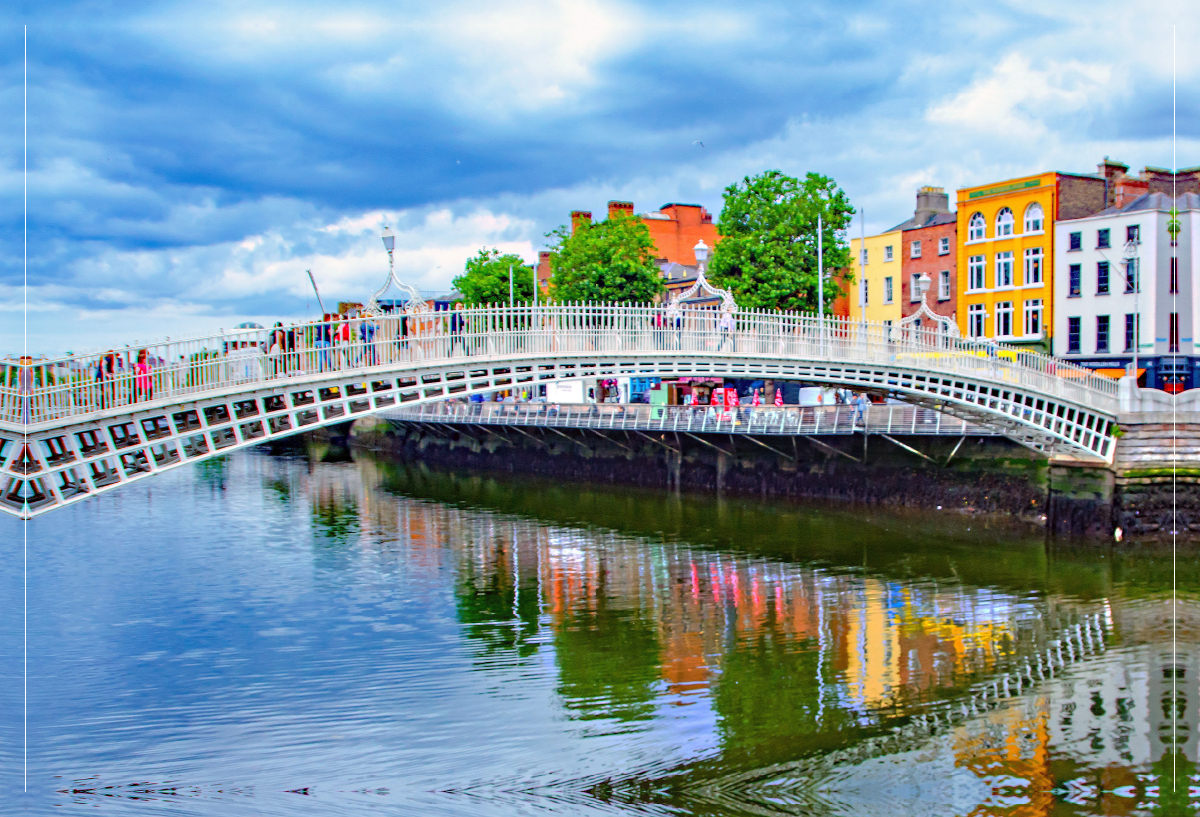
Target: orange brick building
675 228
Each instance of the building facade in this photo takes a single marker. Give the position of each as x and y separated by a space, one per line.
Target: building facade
1006 252
1124 282
930 247
875 293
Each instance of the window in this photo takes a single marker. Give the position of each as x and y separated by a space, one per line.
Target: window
1133 233
1102 240
975 272
887 253
914 288
943 246
1033 266
1076 241
1033 317
1101 333
1074 284
866 293
1004 269
887 290
1034 218
1131 276
1102 278
1174 276
1004 319
862 257
1072 336
1173 330
914 251
1004 223
1130 331
944 285
976 318
976 228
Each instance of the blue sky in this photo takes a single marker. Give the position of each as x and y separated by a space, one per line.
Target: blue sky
189 160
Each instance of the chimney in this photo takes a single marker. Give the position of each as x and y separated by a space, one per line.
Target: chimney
1113 172
580 217
543 269
624 208
930 202
1184 180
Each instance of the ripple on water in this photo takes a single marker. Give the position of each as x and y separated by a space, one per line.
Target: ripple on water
272 636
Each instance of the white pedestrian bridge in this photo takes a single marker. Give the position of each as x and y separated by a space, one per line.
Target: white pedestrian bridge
81 425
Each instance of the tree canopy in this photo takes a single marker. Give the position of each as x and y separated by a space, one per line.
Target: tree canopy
485 279
767 255
610 261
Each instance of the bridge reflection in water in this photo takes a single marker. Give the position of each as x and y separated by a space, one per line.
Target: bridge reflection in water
852 687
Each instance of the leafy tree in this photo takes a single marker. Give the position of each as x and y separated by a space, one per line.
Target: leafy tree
485 279
610 261
767 255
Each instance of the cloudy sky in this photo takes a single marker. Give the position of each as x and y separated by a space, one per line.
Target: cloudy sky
189 160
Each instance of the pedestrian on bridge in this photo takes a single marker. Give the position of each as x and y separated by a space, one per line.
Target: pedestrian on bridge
458 322
323 342
727 331
143 384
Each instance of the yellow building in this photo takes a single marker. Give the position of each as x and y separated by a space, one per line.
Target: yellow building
875 293
1006 253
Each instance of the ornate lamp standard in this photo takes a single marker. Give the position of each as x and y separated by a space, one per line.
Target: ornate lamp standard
701 251
1133 279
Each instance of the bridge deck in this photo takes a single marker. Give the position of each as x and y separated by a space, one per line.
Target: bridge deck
82 425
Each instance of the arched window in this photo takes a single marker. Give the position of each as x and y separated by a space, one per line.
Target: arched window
976 228
1034 219
1004 223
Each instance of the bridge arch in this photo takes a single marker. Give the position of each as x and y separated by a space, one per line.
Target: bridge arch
82 441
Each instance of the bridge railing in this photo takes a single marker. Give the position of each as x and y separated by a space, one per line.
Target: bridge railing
767 420
81 384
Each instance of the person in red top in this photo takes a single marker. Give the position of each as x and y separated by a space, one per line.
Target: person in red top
778 396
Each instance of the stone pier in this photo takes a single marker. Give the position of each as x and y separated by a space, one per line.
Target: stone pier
1156 470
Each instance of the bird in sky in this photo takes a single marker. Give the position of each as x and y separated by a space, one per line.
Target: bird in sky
701 144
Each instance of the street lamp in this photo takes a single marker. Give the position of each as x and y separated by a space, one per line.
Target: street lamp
701 250
923 284
1132 279
389 243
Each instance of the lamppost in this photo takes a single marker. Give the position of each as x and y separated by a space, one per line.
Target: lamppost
701 250
389 244
1133 279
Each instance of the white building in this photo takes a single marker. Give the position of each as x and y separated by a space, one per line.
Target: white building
1102 281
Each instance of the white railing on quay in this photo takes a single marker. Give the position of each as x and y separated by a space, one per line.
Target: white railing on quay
889 418
48 390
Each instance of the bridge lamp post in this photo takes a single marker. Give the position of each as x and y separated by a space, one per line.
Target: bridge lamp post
701 251
389 244
1133 278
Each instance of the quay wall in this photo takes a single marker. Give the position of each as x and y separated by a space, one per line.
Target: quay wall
985 476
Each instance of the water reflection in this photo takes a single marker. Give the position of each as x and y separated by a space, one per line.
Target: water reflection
459 644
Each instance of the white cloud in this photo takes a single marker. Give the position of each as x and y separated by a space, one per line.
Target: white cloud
1018 100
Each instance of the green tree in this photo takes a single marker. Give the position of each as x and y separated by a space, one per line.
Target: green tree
610 261
485 279
767 255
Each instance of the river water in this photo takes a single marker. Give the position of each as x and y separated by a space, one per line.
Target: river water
284 635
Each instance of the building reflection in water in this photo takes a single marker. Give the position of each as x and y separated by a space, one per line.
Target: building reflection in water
1043 698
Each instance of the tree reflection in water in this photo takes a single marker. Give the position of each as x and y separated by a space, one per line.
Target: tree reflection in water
992 674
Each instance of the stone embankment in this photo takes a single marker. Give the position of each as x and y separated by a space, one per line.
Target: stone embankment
1151 493
985 476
